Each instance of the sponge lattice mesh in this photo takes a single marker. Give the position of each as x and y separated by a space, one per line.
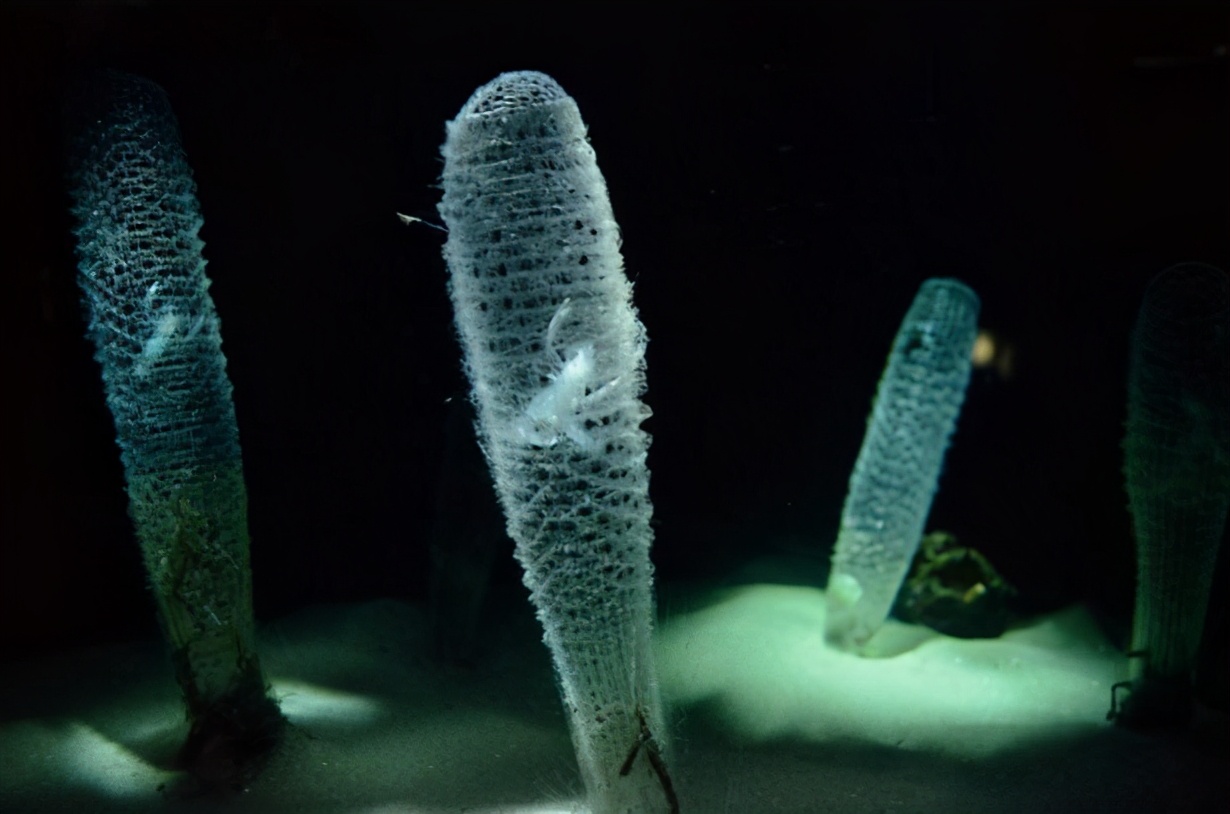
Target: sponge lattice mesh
555 354
1177 458
156 336
140 265
898 467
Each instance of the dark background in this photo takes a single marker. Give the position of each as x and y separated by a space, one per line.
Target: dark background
785 177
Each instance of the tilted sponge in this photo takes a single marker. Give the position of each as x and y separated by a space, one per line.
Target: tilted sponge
555 356
898 467
157 338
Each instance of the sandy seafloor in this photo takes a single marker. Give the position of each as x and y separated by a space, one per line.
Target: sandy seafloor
765 719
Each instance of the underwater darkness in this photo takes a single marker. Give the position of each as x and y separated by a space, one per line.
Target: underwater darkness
784 180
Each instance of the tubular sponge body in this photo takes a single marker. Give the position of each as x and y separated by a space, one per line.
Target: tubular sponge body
898 467
1177 470
157 339
555 356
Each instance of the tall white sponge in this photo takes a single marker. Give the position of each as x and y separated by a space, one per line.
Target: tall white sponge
555 356
898 467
